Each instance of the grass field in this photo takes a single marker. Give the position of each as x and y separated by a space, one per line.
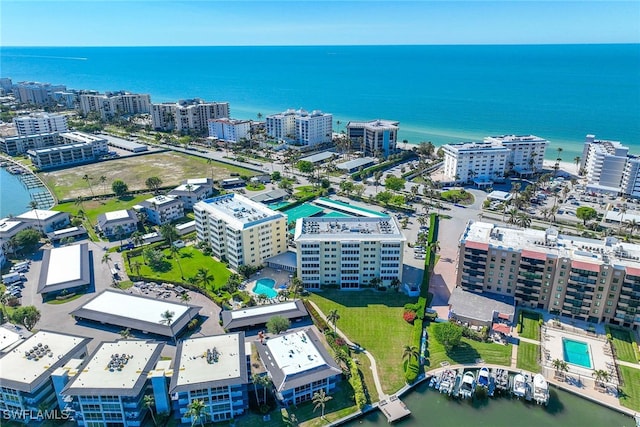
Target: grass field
630 393
93 208
191 260
171 167
373 320
528 355
530 326
624 344
468 351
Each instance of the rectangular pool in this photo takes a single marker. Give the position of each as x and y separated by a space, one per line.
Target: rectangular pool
576 353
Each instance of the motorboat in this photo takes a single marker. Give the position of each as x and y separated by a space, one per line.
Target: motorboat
519 388
540 389
468 386
483 377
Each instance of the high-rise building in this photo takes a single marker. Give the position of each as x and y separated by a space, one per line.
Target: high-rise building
300 127
584 279
39 123
229 130
239 230
110 104
36 93
376 137
348 252
187 115
479 162
526 152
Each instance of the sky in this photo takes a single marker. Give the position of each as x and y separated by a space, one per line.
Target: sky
314 22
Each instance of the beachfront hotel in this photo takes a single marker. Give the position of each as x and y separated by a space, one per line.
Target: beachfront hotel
111 104
300 127
610 168
348 252
27 385
215 370
584 279
162 209
229 130
526 152
186 115
239 230
375 137
110 387
38 123
299 366
478 162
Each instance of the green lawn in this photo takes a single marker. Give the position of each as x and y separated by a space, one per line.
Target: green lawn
93 208
466 352
630 393
530 325
191 259
624 344
374 320
528 355
457 196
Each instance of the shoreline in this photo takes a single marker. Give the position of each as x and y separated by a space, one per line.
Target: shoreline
20 177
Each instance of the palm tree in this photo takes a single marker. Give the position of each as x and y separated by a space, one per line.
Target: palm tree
137 239
185 298
296 286
264 381
560 366
601 376
175 251
197 411
523 220
333 317
513 216
320 399
103 180
106 258
577 159
410 352
167 317
255 378
88 179
125 334
34 205
204 277
149 401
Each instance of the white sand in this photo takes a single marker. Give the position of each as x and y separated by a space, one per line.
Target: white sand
564 166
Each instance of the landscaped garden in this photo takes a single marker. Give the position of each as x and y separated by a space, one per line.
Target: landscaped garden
457 196
374 320
528 355
630 392
529 324
624 344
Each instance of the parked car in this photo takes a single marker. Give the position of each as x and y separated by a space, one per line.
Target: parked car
179 244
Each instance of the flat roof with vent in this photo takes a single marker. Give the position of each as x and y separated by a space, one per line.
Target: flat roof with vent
348 229
207 362
238 211
259 315
31 363
116 368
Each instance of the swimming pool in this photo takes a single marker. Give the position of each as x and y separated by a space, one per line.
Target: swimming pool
265 286
576 352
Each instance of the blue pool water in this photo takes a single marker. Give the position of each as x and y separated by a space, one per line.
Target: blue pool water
265 287
576 353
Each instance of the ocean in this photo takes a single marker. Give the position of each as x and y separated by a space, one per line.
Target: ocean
442 94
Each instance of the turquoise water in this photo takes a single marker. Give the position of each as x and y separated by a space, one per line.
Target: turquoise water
265 286
438 93
576 352
14 196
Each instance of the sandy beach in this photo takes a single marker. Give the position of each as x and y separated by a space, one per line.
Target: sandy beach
568 167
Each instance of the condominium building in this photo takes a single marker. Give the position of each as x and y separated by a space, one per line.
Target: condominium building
39 123
111 104
73 148
110 387
300 126
68 100
526 152
118 224
36 93
479 162
585 279
349 252
9 227
214 370
15 145
229 130
610 168
375 137
27 387
187 115
43 220
299 366
163 209
239 230
190 194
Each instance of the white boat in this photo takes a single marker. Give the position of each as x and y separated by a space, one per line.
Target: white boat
540 389
448 381
468 386
519 388
483 377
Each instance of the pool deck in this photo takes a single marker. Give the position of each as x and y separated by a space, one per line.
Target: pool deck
280 276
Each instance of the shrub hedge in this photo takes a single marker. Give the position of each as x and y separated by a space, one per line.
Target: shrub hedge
355 379
317 319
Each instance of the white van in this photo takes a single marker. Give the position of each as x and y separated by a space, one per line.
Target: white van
12 278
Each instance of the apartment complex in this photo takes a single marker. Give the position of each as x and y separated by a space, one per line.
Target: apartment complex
25 379
16 145
187 115
479 162
190 194
72 148
162 209
109 388
376 137
229 130
111 104
349 252
585 279
36 93
117 224
300 126
44 221
239 230
214 370
610 168
526 152
39 123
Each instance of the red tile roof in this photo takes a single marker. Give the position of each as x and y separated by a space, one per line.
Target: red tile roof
503 316
502 328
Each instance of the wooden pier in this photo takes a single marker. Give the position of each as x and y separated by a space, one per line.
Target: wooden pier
393 408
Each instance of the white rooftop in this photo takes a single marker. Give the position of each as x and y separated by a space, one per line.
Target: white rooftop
238 211
81 137
212 358
183 187
7 224
8 337
198 181
143 309
38 215
116 215
160 200
476 146
514 138
115 365
27 368
264 309
327 228
295 353
65 265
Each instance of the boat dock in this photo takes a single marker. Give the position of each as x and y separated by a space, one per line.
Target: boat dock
393 408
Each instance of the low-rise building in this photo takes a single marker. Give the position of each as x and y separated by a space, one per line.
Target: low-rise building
299 366
215 370
253 317
44 221
64 269
15 145
163 209
118 224
9 227
349 252
73 148
229 130
27 387
190 194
